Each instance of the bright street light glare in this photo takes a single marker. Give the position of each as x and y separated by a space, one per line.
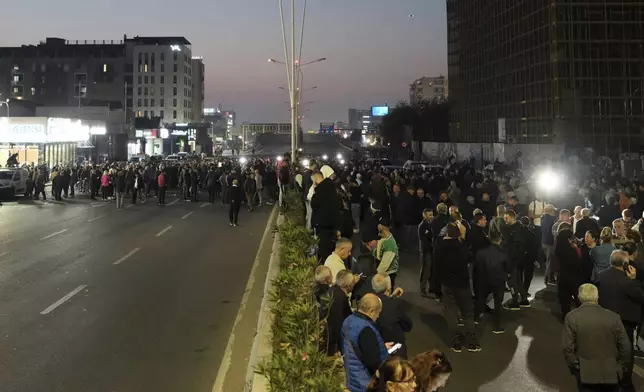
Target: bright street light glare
342 162
279 158
548 181
305 162
339 156
242 160
325 157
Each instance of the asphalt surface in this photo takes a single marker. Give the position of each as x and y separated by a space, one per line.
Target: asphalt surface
98 299
527 358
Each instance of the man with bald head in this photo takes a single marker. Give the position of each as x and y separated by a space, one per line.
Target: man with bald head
363 347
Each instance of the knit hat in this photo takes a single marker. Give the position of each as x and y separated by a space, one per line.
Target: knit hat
326 171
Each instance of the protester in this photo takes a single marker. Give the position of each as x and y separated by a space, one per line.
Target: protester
363 348
395 375
393 323
595 344
336 261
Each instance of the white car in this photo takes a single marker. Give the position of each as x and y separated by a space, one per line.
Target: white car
13 181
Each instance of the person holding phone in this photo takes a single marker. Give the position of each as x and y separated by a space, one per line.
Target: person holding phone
362 345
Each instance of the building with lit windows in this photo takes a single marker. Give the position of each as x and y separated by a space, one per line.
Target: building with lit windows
162 78
547 71
57 72
428 89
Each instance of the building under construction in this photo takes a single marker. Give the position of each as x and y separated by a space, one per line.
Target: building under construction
547 71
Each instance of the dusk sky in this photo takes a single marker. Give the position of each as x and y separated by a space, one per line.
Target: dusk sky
374 49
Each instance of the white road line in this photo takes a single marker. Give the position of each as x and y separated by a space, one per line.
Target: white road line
98 205
127 256
159 234
205 205
174 202
228 352
98 217
186 215
64 299
54 234
3 254
129 205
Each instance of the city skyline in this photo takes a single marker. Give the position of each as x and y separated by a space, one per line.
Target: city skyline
374 49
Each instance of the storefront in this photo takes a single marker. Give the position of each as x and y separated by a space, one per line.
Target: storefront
45 140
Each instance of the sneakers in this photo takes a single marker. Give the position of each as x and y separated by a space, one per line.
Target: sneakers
231 224
498 331
474 348
460 322
512 305
525 304
457 347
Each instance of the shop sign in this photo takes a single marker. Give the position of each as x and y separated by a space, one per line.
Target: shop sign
147 133
66 130
164 133
97 131
138 133
22 133
179 132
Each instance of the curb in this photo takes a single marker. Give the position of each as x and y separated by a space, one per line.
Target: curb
262 342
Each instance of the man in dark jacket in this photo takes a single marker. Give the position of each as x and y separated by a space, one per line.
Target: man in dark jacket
441 220
595 344
492 268
335 308
393 323
211 180
425 242
326 217
548 241
621 292
235 198
516 242
119 189
587 224
453 259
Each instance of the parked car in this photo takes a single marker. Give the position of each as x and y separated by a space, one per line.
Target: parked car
13 182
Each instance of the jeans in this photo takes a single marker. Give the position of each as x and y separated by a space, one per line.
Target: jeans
309 214
516 283
458 302
161 195
120 198
355 214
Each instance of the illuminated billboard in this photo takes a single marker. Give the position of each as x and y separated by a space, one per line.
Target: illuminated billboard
379 111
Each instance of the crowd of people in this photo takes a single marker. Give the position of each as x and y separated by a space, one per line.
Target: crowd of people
478 235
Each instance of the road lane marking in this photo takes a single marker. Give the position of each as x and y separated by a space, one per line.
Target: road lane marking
127 256
98 205
186 215
205 205
64 299
98 217
129 205
174 202
159 234
228 352
54 234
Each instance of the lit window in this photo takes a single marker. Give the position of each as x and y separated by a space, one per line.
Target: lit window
145 68
33 91
104 67
16 78
139 114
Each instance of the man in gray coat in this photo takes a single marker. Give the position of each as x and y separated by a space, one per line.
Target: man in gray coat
595 344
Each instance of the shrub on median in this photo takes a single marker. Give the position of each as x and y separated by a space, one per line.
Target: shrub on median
296 363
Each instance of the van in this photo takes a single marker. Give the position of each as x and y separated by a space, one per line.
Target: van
13 181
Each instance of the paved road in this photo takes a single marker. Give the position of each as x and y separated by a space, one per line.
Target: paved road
527 358
98 299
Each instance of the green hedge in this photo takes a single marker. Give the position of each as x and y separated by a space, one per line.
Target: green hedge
296 363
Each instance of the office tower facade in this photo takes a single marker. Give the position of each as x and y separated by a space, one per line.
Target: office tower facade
547 71
198 89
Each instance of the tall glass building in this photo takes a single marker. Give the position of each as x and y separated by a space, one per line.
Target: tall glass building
548 71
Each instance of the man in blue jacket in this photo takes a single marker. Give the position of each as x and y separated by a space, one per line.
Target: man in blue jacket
363 348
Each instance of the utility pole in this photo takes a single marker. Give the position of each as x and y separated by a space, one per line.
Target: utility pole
294 78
